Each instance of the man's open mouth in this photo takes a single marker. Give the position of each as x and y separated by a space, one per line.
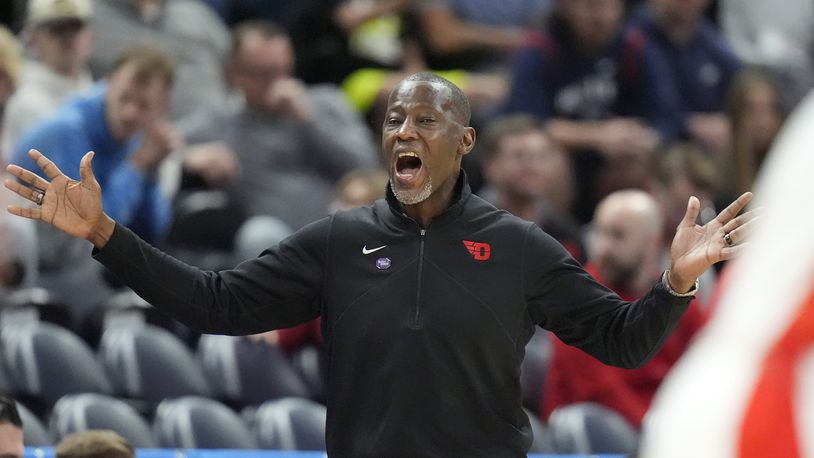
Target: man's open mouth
408 166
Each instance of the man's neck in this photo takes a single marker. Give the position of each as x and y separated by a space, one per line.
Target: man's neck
424 212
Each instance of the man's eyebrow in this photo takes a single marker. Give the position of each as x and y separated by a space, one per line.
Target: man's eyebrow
9 455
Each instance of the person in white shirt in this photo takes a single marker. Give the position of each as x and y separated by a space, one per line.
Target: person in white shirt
59 43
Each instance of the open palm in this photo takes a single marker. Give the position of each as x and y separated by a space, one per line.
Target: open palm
74 207
695 248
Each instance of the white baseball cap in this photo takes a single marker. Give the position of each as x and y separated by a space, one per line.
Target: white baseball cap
46 11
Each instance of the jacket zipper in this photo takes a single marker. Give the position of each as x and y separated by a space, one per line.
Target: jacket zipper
418 288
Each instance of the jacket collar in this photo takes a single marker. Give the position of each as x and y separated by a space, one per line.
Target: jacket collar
460 196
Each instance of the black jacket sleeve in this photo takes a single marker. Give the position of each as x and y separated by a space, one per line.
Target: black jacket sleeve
280 288
565 299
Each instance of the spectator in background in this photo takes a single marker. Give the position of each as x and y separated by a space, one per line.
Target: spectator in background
625 254
681 171
702 63
60 41
94 444
120 120
187 30
685 170
368 88
353 34
531 177
13 235
10 59
331 54
777 35
282 149
756 112
602 90
11 429
474 34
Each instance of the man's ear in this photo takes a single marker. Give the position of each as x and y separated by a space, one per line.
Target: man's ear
467 141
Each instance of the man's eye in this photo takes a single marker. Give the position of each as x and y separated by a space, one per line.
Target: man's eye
393 121
427 120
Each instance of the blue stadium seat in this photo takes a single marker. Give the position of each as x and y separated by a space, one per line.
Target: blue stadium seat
196 422
80 412
244 372
149 363
44 362
290 424
591 428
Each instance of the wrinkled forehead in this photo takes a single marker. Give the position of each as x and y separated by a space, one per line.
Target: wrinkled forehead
413 94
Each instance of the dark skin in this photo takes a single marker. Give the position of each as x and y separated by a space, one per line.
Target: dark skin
421 119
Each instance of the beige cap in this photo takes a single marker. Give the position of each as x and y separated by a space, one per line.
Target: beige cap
44 11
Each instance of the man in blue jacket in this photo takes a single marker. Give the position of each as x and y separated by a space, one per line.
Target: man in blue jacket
120 120
427 298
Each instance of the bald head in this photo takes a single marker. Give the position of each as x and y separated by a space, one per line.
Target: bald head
627 237
638 207
458 103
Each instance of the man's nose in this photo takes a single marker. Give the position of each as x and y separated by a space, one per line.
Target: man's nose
129 112
406 131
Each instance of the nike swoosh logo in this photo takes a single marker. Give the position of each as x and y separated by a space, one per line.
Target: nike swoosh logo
372 250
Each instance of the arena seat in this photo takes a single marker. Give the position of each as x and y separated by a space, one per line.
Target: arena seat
243 372
80 412
44 362
290 424
196 422
589 428
149 363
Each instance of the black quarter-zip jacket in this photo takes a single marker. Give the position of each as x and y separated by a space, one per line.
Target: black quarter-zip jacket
424 328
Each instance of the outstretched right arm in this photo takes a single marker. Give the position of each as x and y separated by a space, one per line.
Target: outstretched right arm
280 288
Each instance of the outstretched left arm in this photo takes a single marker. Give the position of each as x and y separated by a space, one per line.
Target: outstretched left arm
695 248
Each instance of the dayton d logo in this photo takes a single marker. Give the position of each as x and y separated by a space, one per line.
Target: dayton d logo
479 250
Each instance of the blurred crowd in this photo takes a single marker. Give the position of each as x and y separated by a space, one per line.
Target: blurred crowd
221 126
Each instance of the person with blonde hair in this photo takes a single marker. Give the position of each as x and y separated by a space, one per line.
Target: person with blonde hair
94 444
756 112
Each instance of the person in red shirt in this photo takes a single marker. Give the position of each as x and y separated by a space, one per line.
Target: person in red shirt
626 251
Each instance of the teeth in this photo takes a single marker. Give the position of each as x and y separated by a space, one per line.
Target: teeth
408 154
